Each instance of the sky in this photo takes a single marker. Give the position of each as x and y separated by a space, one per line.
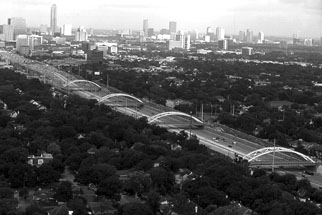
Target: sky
273 17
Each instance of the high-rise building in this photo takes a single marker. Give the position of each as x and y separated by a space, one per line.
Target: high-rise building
260 37
67 30
142 37
34 40
150 32
181 41
209 30
26 43
172 27
53 19
321 41
220 32
187 42
241 37
145 26
7 32
249 36
81 34
19 25
223 44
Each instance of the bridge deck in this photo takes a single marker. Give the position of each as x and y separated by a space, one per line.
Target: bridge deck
281 163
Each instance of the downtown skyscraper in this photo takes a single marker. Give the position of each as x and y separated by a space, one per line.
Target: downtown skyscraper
19 26
53 19
172 27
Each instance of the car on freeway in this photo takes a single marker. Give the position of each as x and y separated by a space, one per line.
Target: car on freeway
230 146
234 142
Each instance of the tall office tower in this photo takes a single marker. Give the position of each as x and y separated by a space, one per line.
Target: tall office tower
220 32
150 32
81 34
141 37
172 27
7 31
145 26
209 30
187 42
249 36
241 36
260 37
67 30
321 41
53 19
19 25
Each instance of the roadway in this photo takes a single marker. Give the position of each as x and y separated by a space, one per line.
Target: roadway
214 138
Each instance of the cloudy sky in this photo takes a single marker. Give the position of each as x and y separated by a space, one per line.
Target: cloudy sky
273 17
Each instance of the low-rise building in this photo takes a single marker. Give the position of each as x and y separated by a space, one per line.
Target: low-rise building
39 160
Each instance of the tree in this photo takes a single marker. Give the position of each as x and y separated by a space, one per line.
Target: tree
34 209
46 174
162 179
64 192
110 187
153 201
78 206
135 209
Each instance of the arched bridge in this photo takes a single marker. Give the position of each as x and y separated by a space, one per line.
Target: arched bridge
172 113
252 157
71 83
119 95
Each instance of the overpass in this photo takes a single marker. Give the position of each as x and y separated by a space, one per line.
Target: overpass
254 158
156 117
104 98
282 163
72 85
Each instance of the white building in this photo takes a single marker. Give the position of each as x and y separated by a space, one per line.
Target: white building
30 41
260 37
81 34
220 32
181 41
67 30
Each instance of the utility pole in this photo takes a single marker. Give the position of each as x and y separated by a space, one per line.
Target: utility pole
273 164
107 77
202 111
190 124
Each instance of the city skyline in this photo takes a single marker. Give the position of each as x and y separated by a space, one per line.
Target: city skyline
273 17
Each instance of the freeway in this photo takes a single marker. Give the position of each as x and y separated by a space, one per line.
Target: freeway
213 138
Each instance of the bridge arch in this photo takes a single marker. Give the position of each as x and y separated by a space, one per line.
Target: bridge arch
119 95
80 81
263 151
171 113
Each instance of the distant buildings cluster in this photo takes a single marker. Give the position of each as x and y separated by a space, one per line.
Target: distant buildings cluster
59 40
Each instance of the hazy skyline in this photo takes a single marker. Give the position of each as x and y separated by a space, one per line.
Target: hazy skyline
273 17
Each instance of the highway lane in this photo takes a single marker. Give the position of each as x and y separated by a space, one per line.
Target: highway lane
242 146
59 78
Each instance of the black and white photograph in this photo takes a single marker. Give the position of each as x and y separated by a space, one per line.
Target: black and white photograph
172 107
